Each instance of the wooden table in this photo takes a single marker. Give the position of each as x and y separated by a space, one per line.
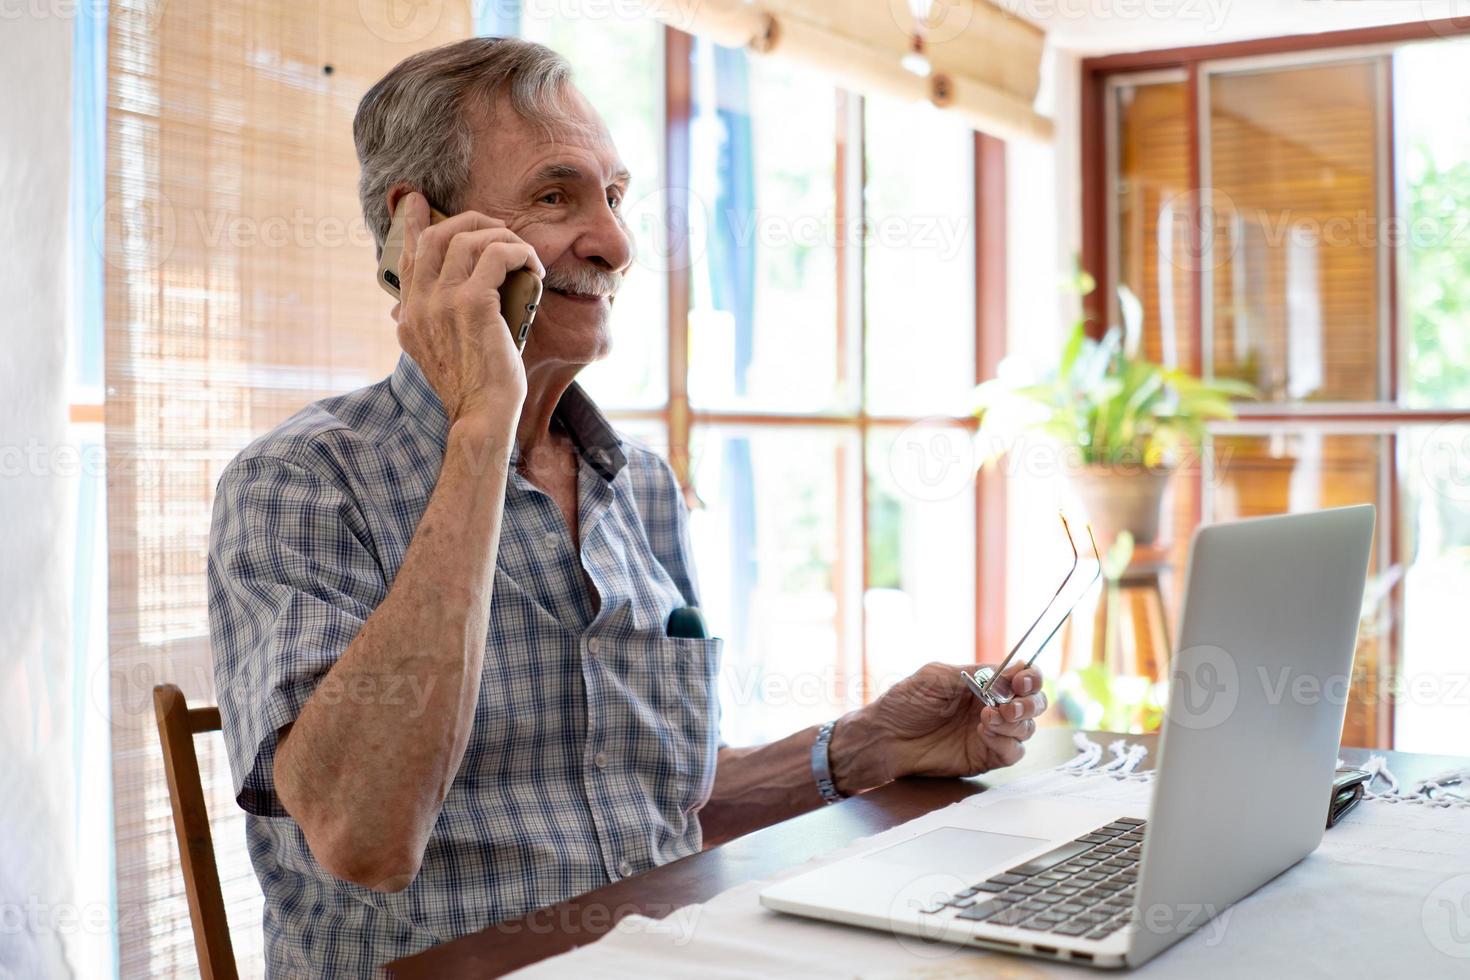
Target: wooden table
511 945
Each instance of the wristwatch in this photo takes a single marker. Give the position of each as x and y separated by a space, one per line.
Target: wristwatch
822 764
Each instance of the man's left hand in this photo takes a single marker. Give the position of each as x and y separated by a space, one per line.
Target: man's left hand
930 724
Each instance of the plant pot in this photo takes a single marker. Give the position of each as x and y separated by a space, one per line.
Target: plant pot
1121 499
1253 480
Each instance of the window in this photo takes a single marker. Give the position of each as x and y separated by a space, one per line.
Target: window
763 315
818 560
614 62
1149 250
1433 151
919 262
92 955
1300 224
780 576
1294 175
821 279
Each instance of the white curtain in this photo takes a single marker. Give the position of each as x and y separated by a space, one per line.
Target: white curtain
37 717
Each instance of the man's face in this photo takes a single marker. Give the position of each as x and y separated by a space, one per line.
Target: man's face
560 189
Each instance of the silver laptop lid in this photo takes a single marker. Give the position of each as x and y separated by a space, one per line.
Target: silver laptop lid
1258 691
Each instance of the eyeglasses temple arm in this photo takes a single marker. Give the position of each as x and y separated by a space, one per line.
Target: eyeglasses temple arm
1068 615
1045 609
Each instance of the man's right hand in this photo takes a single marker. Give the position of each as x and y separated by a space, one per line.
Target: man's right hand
364 778
449 317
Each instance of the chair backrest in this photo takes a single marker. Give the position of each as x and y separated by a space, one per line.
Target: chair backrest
177 726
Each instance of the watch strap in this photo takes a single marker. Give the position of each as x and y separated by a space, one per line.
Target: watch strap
822 764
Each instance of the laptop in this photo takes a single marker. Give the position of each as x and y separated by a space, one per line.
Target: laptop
1258 691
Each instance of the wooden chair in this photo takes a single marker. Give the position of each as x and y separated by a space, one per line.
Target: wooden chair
177 726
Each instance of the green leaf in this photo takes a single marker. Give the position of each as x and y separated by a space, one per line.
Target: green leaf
1148 389
1046 393
1132 311
1205 407
1061 429
1187 383
1232 387
1094 679
1070 351
1120 553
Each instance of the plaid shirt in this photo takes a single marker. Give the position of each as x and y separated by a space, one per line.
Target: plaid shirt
594 737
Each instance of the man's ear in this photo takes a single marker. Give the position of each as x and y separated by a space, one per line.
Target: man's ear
395 194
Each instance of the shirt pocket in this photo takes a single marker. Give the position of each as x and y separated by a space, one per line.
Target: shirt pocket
692 710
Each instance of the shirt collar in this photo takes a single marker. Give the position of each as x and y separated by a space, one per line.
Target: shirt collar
420 402
583 421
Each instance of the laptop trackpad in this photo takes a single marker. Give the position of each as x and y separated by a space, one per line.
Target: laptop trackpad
956 850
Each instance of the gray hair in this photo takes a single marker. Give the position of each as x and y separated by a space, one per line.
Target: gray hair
416 124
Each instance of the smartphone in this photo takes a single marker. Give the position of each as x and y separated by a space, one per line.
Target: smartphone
520 294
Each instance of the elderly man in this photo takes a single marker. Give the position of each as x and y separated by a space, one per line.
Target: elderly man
439 604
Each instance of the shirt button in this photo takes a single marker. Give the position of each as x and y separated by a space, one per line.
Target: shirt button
600 760
593 646
552 539
625 869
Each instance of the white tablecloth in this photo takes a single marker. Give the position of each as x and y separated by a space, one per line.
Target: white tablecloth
1387 895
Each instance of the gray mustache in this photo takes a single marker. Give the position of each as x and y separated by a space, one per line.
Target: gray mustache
585 280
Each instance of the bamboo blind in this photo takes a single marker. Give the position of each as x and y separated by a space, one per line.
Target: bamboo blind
1292 152
985 61
1294 155
1294 159
239 287
1155 210
1153 191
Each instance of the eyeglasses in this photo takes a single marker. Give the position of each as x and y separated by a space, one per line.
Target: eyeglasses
982 683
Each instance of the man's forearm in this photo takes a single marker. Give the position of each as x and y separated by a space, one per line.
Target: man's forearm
926 725
365 778
764 784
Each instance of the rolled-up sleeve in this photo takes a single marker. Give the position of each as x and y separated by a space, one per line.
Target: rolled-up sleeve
292 578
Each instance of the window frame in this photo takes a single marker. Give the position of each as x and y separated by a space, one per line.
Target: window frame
1100 77
681 418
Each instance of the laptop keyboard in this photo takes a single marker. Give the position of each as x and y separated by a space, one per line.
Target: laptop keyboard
1083 888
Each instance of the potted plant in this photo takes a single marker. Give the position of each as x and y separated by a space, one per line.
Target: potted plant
1122 422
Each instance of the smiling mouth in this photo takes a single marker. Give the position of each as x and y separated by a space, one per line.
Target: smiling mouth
580 297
